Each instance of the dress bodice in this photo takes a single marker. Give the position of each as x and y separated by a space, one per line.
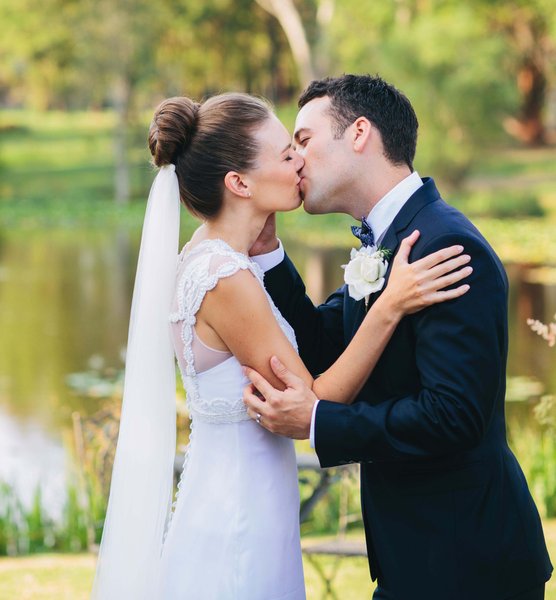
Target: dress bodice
213 395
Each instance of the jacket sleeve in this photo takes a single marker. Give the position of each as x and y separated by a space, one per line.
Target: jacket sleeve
460 352
318 329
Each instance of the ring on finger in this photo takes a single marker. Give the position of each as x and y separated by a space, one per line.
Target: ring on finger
258 418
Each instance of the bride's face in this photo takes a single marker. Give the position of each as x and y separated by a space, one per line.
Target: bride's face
274 182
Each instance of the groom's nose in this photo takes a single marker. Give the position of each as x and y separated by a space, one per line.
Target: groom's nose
300 162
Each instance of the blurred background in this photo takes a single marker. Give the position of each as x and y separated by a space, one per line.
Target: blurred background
79 81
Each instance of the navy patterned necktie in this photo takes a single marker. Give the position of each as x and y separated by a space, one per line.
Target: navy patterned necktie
364 233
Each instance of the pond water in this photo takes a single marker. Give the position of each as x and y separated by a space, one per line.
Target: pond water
64 307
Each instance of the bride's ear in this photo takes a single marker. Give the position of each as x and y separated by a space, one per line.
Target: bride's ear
235 183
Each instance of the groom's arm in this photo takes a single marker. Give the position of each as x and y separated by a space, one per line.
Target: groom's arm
460 353
318 329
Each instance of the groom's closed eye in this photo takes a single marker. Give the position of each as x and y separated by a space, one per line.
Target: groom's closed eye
301 137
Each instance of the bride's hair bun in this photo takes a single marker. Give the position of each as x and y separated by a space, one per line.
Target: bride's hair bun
172 129
205 142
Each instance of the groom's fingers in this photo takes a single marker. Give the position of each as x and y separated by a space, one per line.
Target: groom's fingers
255 406
290 379
254 403
259 382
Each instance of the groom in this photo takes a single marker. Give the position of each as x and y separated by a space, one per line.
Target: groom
447 511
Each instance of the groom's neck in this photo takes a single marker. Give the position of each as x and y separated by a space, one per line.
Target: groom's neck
371 186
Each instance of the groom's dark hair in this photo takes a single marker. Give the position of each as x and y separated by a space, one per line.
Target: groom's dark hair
354 96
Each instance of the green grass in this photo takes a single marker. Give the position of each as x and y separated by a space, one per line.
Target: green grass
52 159
516 161
69 576
47 577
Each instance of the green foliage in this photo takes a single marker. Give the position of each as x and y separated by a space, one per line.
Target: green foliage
23 530
458 62
441 56
520 241
36 524
504 204
31 530
37 59
73 532
536 451
339 508
139 47
10 521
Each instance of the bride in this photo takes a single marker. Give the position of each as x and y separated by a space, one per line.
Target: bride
233 532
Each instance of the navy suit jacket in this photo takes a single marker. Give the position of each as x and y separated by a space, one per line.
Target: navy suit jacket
447 511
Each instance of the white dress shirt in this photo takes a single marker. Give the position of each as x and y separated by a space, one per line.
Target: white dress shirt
380 218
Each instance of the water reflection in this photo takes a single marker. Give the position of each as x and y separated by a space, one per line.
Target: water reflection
65 297
30 455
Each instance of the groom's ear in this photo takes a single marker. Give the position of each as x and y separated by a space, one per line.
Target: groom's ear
361 131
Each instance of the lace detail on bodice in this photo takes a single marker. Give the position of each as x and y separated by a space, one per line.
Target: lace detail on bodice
199 271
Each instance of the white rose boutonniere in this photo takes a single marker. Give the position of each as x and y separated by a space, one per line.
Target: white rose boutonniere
364 274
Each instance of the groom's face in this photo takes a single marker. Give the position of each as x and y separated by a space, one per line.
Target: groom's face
325 175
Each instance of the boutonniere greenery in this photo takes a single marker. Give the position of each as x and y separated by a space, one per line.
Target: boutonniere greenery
364 274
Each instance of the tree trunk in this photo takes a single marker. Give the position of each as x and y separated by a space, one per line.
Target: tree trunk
323 52
288 16
529 127
528 34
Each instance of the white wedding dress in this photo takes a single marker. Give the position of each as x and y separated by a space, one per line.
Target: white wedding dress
234 531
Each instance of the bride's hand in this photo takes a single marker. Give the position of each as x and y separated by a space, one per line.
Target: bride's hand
414 286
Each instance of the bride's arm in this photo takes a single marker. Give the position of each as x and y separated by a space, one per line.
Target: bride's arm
238 312
410 288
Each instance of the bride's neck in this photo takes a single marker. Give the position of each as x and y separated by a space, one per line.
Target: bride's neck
238 228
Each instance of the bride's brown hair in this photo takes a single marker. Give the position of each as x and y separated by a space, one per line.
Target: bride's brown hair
205 141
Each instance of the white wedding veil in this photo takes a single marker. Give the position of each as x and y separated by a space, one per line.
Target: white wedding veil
142 478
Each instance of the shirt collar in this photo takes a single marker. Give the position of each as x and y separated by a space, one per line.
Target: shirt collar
386 209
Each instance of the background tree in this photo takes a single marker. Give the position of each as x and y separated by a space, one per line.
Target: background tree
440 54
219 45
117 49
306 29
529 29
38 61
474 71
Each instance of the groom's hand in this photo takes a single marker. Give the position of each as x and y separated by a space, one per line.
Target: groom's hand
267 240
286 413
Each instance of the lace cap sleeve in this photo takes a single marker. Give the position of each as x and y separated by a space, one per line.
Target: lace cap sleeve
199 272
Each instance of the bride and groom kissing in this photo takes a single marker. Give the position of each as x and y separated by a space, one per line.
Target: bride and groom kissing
408 381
